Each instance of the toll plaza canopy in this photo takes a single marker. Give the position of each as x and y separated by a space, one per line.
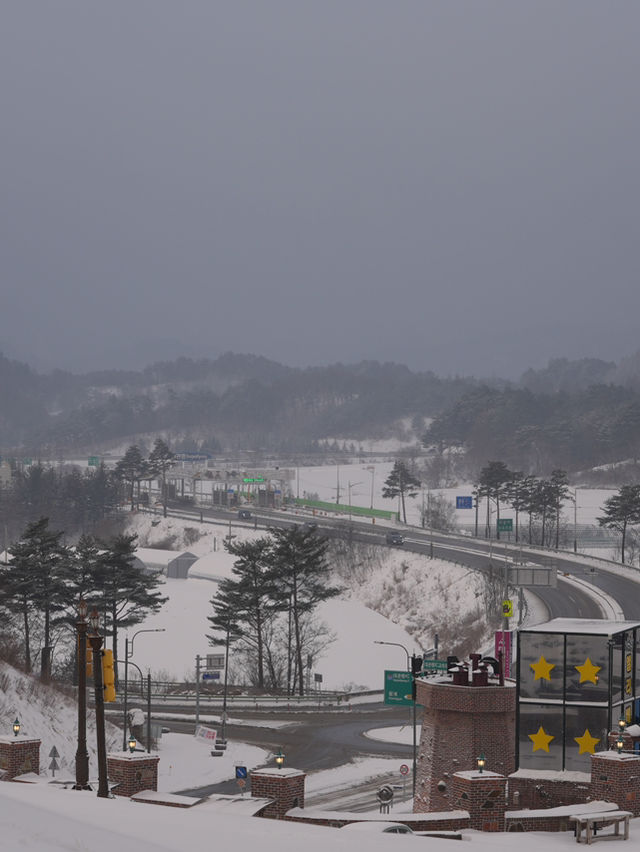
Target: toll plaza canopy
576 678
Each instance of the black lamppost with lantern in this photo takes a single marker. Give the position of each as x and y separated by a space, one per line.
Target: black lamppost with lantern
95 640
82 756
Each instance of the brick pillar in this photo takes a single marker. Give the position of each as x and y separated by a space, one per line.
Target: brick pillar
616 778
132 772
459 724
284 786
19 755
483 795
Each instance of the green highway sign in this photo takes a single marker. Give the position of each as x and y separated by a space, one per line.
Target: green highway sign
94 461
434 666
397 688
253 479
505 525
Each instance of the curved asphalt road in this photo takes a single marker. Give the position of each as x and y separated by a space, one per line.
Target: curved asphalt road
325 740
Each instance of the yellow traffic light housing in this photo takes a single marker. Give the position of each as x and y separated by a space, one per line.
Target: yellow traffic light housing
108 676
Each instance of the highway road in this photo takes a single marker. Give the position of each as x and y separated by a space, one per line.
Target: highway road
325 740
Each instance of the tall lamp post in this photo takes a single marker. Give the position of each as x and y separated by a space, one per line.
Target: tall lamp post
95 640
82 756
413 705
128 653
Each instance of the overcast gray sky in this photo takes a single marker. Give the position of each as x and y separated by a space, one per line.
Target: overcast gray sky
450 185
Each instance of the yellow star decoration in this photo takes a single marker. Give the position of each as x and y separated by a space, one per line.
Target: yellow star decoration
588 672
541 739
542 669
587 743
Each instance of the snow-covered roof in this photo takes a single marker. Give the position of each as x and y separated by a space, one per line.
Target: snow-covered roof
590 626
153 556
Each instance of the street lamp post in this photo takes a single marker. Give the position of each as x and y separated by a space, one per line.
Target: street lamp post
372 470
82 756
136 666
95 640
351 485
128 653
413 705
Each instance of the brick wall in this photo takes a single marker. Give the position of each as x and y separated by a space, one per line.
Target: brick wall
285 787
19 755
459 724
616 778
132 772
543 792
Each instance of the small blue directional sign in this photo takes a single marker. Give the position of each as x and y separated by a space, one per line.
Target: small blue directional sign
211 676
241 772
464 502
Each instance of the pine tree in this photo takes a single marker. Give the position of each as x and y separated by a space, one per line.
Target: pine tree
160 460
131 469
400 482
246 604
622 510
125 592
493 484
37 581
303 578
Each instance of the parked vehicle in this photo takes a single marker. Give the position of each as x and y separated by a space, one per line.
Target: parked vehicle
378 827
394 537
244 514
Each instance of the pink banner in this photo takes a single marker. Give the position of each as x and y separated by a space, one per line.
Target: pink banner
503 643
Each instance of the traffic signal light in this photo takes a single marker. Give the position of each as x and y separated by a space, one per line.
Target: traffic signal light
416 664
108 676
89 664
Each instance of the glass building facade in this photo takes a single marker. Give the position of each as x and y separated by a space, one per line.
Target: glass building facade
576 679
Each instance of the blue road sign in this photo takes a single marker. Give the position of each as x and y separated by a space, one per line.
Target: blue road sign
241 772
211 676
464 502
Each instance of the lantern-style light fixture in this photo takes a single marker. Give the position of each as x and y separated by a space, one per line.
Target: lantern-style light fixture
132 744
279 758
82 609
94 620
481 763
16 727
620 744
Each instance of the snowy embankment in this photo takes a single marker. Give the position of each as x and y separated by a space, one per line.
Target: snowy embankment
391 596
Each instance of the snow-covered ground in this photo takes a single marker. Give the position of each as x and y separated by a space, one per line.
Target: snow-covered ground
38 818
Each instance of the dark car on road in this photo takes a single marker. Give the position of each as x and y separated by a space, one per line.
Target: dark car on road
394 537
244 515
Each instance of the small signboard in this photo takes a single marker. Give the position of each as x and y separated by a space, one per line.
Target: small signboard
211 676
397 688
94 461
241 773
317 678
215 661
464 502
208 734
502 642
505 525
404 769
507 609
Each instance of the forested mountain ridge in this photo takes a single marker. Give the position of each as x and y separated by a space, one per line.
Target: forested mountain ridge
244 400
571 414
